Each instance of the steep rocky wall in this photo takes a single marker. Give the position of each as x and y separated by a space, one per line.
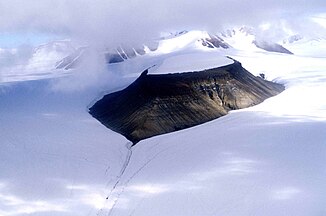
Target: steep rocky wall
158 104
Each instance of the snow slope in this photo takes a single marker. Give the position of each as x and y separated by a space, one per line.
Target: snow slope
187 40
245 38
241 39
201 61
265 160
308 47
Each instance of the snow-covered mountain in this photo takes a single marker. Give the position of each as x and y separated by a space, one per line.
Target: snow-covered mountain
244 38
175 42
64 55
241 39
269 159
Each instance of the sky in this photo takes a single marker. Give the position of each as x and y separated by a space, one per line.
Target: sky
108 22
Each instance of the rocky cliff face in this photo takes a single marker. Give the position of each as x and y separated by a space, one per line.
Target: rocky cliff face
214 41
158 104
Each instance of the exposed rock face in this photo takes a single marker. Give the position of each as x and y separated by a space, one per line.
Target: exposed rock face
214 41
158 104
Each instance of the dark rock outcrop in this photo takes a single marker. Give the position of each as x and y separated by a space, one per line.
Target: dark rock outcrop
158 104
214 41
114 58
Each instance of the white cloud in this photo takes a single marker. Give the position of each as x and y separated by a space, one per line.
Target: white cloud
17 57
115 22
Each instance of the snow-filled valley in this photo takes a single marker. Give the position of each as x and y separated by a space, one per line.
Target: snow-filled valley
56 159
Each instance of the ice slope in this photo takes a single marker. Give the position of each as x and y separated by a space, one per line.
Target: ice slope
55 159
